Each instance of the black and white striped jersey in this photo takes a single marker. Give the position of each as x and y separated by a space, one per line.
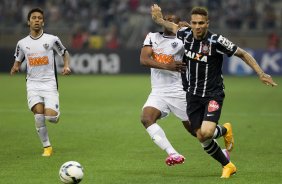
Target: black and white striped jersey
204 60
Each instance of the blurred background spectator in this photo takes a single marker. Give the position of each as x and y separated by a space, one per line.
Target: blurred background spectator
117 24
273 42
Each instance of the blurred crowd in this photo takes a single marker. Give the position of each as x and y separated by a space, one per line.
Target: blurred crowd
115 24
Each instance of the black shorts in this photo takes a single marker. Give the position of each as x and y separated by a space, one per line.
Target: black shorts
201 109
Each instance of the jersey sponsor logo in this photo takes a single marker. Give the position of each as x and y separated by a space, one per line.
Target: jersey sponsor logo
196 56
225 43
163 58
38 61
213 106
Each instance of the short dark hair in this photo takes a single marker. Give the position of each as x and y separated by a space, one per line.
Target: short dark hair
200 11
176 19
34 10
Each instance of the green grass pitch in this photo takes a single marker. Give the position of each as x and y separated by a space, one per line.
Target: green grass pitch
100 128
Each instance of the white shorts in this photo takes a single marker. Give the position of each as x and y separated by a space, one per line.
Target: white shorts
50 99
166 104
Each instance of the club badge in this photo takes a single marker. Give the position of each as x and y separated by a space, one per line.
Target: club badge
205 49
174 44
46 45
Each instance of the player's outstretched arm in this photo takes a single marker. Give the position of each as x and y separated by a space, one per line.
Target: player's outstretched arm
147 61
157 16
66 69
247 58
16 67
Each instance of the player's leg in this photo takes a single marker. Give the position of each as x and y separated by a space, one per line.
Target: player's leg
225 130
219 131
188 127
204 127
212 148
157 134
150 114
36 105
177 106
51 111
148 118
51 115
206 135
38 111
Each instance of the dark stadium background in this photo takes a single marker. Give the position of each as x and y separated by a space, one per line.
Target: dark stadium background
105 36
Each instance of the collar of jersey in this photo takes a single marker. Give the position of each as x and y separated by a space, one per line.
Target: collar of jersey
36 37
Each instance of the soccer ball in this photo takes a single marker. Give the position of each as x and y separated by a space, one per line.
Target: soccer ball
71 172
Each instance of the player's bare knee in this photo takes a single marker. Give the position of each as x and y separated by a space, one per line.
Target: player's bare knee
147 121
207 133
200 137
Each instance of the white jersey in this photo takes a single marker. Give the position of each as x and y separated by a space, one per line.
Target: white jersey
39 56
166 49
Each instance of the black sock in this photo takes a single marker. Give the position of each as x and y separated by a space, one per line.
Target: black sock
220 131
213 149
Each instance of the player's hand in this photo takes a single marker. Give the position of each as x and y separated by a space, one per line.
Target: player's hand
183 24
156 13
177 66
267 79
15 68
66 70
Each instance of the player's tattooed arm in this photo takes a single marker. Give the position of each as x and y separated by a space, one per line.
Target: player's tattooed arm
247 58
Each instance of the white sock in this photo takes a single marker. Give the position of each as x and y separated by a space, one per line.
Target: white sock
158 136
42 129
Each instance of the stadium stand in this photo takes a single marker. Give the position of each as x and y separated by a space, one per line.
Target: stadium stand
124 23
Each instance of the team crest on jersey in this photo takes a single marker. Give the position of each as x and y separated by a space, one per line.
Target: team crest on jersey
46 45
174 44
205 49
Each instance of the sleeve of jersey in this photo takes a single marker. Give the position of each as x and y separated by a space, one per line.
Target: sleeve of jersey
58 46
19 54
225 46
148 40
181 33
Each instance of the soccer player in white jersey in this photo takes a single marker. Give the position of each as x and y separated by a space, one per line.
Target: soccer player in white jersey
42 89
163 52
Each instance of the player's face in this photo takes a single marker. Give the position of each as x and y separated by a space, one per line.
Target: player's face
170 18
36 21
199 25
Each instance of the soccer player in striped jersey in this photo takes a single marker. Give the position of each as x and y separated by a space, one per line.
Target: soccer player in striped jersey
204 52
37 49
163 53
